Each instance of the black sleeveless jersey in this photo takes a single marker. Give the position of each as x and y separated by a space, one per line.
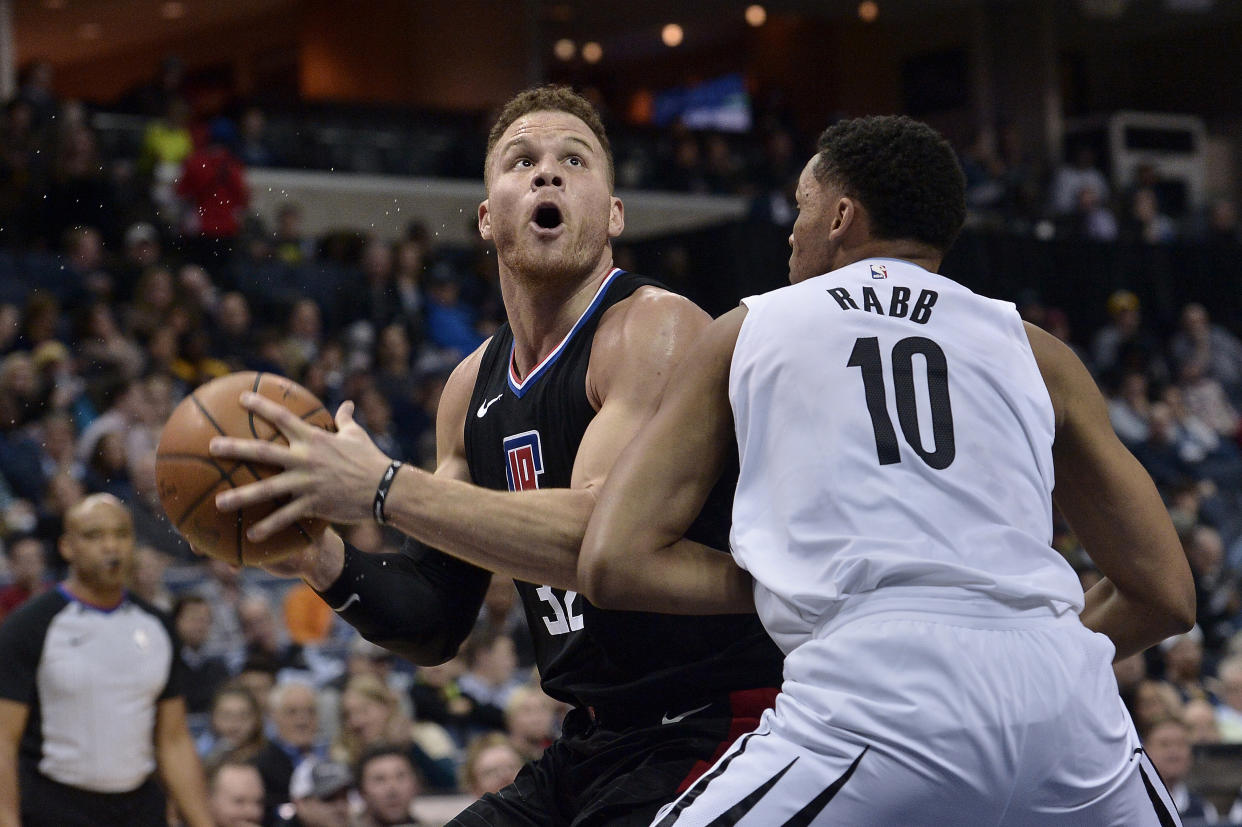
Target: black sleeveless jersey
522 435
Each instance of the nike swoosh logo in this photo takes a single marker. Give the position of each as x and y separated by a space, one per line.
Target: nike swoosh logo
482 411
349 601
675 718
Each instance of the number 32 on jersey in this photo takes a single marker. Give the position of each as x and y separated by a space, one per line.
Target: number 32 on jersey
523 467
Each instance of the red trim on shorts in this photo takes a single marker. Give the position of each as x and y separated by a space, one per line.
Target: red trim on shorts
747 707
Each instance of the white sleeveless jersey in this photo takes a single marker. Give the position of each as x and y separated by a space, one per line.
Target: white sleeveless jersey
894 431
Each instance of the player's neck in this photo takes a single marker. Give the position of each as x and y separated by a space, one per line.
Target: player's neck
541 314
915 252
96 597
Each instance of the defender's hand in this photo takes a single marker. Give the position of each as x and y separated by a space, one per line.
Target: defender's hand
327 475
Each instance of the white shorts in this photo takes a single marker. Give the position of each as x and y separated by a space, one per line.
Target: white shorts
899 719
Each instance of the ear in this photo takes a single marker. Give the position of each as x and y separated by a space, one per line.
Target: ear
65 548
485 221
616 218
845 214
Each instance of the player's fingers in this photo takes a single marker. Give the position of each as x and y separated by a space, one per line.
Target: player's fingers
281 518
285 420
251 450
345 414
279 485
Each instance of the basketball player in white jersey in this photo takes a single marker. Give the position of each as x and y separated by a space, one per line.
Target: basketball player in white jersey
900 439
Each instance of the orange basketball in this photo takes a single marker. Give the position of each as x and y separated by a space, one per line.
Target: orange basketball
188 477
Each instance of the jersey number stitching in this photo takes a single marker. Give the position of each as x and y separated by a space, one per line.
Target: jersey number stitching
565 619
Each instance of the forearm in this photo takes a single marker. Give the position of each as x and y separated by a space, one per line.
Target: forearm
9 800
682 578
421 605
182 774
1132 625
528 535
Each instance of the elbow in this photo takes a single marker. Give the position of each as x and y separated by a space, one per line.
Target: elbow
599 582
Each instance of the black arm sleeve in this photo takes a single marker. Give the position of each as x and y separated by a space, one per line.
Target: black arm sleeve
419 603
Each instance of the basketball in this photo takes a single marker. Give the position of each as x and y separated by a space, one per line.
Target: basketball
188 477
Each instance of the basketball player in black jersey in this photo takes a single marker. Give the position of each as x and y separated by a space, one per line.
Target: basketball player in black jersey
528 429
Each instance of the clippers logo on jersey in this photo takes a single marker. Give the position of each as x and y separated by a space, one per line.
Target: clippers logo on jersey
878 271
523 461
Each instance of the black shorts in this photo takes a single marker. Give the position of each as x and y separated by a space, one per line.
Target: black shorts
618 767
48 803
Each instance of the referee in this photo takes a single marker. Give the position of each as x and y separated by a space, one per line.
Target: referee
90 695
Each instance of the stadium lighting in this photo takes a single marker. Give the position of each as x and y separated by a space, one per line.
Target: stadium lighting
90 31
592 52
868 11
672 35
756 15
565 49
172 10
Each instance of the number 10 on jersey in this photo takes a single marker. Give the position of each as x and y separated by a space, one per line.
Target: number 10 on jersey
866 356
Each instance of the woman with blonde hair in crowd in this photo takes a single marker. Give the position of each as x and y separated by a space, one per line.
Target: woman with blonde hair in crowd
370 714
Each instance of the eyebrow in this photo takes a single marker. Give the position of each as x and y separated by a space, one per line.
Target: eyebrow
523 140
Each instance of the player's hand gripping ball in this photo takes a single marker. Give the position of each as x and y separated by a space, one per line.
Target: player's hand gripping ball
188 477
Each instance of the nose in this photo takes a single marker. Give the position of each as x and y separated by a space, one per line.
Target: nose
546 176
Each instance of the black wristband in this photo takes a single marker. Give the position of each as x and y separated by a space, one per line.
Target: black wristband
381 491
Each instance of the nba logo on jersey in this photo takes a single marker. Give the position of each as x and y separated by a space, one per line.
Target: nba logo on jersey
878 271
524 461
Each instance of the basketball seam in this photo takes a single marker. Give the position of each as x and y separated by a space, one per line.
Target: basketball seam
225 476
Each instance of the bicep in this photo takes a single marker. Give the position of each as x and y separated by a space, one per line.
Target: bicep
1101 489
451 418
636 357
662 479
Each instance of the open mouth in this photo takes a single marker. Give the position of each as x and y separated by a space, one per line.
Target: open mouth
548 217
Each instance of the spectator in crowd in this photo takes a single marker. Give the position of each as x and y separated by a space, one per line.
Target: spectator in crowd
1217 351
388 785
439 699
1229 692
253 148
1154 700
101 344
1167 743
502 613
303 336
264 635
1146 223
1199 716
1124 345
88 648
294 738
235 792
319 795
146 579
290 243
1096 221
235 726
223 588
1130 409
530 721
491 763
1216 586
27 563
1071 179
205 673
36 89
371 714
450 322
491 676
214 190
166 143
1183 666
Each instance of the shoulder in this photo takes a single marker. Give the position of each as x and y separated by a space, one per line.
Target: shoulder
460 384
1066 378
648 312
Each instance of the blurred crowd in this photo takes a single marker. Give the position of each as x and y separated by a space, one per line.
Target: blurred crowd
126 281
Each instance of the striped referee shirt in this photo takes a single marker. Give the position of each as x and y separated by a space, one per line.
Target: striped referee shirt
92 679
